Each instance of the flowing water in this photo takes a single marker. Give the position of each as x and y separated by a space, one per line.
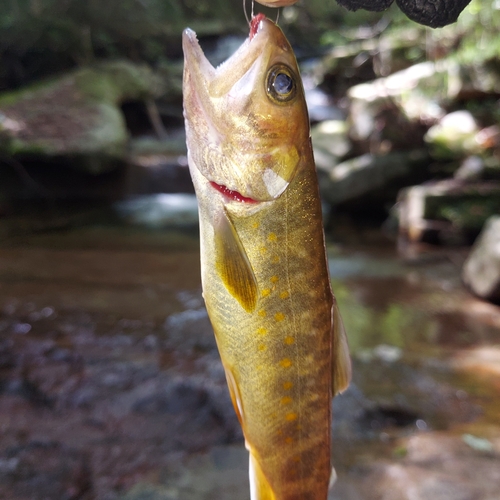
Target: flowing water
111 386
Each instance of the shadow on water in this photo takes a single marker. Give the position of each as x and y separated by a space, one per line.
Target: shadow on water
111 385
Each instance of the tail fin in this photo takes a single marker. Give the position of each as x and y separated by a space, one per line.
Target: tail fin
260 489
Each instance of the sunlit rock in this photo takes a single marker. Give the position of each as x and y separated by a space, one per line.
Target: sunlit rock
368 173
481 271
454 135
330 143
398 107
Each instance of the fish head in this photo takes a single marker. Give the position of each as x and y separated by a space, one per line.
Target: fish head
246 120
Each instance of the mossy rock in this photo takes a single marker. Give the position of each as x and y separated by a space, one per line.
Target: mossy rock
77 114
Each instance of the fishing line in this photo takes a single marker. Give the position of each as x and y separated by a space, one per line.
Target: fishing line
246 13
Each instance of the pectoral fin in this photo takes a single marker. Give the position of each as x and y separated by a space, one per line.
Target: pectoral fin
260 489
233 265
341 359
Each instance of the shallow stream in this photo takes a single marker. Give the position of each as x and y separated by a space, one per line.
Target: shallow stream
111 386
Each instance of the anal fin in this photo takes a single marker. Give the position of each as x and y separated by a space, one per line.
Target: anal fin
233 265
341 362
260 489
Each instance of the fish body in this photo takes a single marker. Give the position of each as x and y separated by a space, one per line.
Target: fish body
264 269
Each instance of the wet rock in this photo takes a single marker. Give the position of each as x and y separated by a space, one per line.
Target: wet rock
446 211
221 473
454 135
435 466
41 470
481 271
76 116
160 210
366 174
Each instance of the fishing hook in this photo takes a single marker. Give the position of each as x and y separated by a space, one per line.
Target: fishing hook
252 12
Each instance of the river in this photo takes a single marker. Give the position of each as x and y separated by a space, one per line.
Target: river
111 386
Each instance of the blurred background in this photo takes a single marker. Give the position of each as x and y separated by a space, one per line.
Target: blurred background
110 381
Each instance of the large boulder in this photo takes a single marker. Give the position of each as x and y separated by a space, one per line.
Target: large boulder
481 271
76 115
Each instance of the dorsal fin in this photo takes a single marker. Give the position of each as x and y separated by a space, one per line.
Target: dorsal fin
341 362
232 263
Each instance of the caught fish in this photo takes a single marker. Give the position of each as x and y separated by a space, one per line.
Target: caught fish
264 269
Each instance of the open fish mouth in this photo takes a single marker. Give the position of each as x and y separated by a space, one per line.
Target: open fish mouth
231 194
241 117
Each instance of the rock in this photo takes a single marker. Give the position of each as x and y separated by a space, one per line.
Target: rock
415 90
76 115
481 271
366 174
45 470
446 211
454 135
330 143
160 210
471 169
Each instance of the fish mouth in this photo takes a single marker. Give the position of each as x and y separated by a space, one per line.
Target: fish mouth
231 194
217 81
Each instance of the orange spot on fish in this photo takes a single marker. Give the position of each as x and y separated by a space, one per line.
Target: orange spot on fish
275 259
255 225
286 400
261 331
272 237
279 316
286 363
284 295
290 417
263 250
265 292
262 347
289 340
262 313
287 385
274 279
288 440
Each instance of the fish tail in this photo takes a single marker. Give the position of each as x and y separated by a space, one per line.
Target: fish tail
260 489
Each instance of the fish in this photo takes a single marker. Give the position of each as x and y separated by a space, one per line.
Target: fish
264 269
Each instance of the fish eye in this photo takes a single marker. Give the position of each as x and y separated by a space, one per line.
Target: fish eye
281 86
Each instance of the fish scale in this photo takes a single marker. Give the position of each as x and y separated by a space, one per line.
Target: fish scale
264 269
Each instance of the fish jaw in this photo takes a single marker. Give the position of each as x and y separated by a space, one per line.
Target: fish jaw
237 136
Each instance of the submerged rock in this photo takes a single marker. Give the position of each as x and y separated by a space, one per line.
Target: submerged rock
481 271
160 210
76 115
